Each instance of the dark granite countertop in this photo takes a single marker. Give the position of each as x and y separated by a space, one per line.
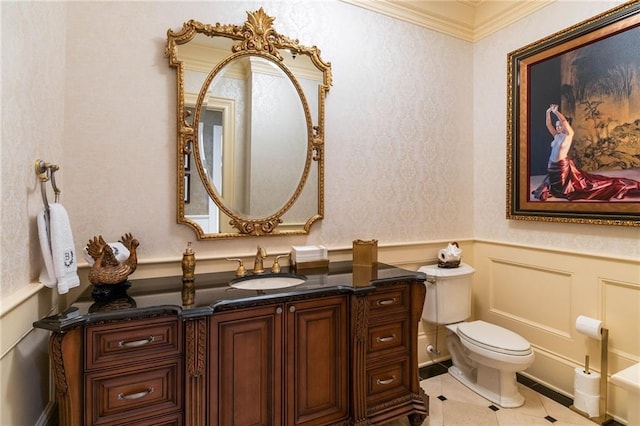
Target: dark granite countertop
154 296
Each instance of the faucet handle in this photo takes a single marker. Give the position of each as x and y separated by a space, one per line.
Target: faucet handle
241 271
276 266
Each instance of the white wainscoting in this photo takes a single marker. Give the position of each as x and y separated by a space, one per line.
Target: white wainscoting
539 293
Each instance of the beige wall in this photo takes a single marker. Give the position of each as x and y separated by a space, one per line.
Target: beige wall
415 156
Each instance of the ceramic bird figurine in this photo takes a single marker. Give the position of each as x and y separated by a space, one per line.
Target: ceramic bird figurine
106 268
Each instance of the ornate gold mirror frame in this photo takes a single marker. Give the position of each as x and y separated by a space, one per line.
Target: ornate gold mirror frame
254 41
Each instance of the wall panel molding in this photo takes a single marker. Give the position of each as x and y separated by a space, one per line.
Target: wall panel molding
620 308
560 285
543 286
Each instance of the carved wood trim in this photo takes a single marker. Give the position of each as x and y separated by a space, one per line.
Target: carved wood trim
55 349
67 359
360 306
196 363
195 353
362 319
363 422
390 403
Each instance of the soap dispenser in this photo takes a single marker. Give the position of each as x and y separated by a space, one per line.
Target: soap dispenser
188 276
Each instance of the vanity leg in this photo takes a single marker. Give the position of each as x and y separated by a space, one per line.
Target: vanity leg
67 371
416 419
420 398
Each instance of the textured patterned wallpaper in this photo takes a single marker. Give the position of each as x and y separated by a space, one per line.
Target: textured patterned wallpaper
415 138
398 128
33 87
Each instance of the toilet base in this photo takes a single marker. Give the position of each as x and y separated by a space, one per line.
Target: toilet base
509 399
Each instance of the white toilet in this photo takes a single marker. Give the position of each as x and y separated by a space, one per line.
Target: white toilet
485 356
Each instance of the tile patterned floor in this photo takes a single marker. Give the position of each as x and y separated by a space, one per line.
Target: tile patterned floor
453 404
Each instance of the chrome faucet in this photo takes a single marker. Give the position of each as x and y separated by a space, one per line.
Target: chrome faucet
258 266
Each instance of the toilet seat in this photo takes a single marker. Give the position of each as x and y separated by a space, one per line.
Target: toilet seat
494 338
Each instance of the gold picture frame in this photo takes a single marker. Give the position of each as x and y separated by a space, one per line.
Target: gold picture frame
591 73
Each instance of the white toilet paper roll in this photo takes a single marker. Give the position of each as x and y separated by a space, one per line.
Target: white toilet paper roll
586 391
588 384
442 255
589 404
590 326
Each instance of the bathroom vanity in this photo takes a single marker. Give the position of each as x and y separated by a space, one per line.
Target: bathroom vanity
338 349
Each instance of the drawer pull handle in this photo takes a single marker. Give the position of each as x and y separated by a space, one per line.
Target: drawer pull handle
136 395
136 343
386 339
386 302
386 382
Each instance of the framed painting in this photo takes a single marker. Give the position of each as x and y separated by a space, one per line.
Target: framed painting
573 127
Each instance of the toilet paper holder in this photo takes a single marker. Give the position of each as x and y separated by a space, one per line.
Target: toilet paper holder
603 418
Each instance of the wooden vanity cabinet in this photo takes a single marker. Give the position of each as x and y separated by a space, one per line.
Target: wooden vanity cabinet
133 372
280 364
322 355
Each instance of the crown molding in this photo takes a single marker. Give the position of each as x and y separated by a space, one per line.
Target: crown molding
469 20
492 16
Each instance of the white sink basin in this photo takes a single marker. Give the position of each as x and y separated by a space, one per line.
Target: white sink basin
267 282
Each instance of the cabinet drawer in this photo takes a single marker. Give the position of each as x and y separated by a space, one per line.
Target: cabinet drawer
388 381
384 302
132 341
388 337
170 420
126 395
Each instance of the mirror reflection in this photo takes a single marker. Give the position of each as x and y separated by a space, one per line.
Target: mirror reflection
250 129
266 157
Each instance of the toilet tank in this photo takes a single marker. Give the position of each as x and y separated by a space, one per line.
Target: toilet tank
448 298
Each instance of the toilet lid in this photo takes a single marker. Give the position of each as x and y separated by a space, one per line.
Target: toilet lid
494 338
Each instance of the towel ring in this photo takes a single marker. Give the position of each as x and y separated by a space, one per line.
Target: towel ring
46 172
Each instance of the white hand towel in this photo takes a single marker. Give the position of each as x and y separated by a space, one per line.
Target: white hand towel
62 253
47 275
120 251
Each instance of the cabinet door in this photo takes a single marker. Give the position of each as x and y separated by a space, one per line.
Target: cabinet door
317 361
246 367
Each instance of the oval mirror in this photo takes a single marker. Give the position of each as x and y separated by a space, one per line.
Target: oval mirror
250 129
